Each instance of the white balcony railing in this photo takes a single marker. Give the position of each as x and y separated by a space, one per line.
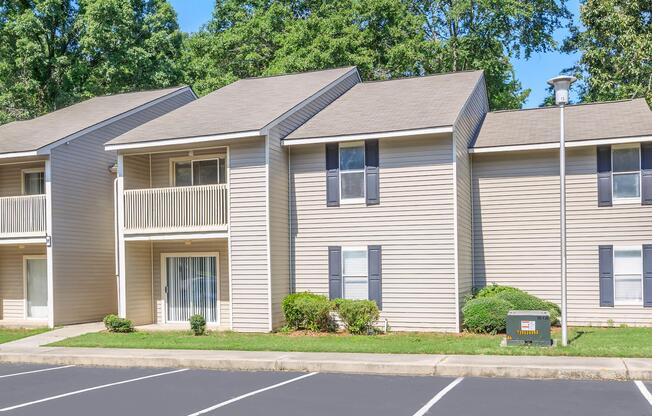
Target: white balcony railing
22 215
176 209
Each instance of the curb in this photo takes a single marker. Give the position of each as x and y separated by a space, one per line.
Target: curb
532 367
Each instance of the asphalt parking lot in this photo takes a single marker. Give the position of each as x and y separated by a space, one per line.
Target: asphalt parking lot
70 390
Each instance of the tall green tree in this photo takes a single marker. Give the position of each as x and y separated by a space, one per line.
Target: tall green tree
616 49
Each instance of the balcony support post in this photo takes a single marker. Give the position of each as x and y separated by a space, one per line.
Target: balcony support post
121 249
49 241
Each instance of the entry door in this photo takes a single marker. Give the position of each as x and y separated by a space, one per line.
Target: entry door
191 288
37 287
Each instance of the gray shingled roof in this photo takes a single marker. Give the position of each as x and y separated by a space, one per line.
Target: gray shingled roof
394 105
583 122
30 135
245 105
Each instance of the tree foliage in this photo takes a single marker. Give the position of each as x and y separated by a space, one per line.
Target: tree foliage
616 49
56 52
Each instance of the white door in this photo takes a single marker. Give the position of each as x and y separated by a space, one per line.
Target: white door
191 287
37 288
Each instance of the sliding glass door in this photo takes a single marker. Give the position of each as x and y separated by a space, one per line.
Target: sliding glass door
191 287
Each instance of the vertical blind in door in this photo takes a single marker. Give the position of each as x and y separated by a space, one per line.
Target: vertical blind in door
191 288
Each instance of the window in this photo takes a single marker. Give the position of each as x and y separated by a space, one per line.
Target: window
352 172
354 273
628 276
33 181
626 168
199 172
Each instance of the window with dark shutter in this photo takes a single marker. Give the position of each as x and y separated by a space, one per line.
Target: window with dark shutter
375 270
605 259
646 173
647 275
372 172
604 176
332 175
335 272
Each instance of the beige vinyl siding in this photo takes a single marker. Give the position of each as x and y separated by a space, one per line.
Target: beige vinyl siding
136 172
139 282
11 177
517 238
413 223
196 246
83 233
465 130
12 288
248 232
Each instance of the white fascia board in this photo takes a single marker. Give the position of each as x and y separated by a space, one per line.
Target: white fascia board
176 236
574 143
186 140
45 150
19 154
366 136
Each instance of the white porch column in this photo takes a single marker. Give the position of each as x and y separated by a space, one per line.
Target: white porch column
120 253
49 241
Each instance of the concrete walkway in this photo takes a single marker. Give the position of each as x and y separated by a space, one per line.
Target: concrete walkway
53 336
533 367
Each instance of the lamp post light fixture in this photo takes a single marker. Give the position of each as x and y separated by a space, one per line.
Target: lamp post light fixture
561 85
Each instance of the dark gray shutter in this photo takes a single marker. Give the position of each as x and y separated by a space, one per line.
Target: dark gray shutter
604 176
606 260
372 172
335 272
647 275
332 175
375 270
646 174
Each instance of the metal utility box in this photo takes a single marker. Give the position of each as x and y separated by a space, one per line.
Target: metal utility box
528 328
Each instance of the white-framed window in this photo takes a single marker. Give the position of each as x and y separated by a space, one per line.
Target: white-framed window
628 275
195 172
33 181
626 173
352 172
355 277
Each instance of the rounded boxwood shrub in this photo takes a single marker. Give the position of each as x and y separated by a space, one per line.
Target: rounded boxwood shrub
114 323
521 300
487 315
358 316
493 290
307 311
198 324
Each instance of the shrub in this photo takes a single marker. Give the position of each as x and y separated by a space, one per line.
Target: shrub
493 290
521 300
486 315
113 323
198 324
358 315
307 311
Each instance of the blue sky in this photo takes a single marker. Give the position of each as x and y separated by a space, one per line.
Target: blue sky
532 73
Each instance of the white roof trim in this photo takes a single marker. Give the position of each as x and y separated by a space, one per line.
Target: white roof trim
175 236
381 135
18 154
187 140
574 143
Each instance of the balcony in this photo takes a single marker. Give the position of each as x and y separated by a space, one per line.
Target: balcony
22 216
176 209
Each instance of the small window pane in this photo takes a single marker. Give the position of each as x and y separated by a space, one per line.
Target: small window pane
352 185
355 263
182 174
355 288
352 157
628 289
628 262
626 185
205 172
626 160
222 169
34 183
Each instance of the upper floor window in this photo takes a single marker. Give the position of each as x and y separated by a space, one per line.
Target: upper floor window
199 172
33 181
626 171
352 172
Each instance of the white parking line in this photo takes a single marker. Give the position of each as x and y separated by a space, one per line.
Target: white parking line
36 371
438 397
644 391
72 393
244 396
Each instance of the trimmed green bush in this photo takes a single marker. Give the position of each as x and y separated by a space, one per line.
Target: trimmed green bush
307 311
358 316
487 315
493 290
521 300
114 323
198 324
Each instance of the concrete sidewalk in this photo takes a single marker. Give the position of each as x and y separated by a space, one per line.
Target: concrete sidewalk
533 367
55 335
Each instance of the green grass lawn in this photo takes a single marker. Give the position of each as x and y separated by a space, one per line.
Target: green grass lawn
588 342
12 334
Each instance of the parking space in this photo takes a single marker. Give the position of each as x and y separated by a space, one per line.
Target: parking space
38 390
